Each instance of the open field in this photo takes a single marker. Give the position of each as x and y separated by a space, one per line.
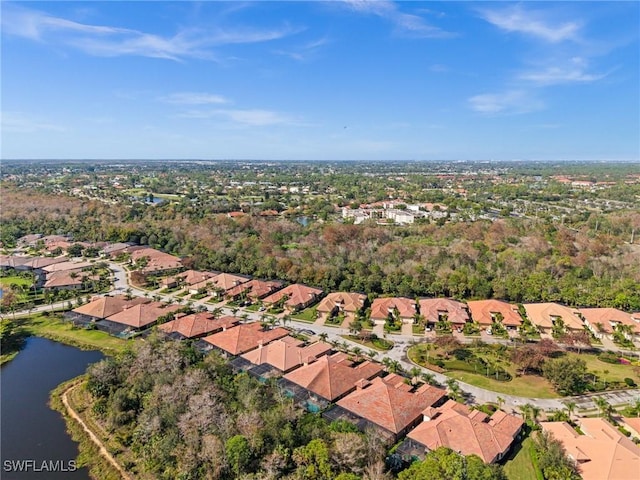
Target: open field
51 326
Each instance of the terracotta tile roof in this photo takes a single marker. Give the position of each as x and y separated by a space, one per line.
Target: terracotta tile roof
381 307
542 315
66 278
190 277
142 314
482 310
103 307
62 244
41 262
467 431
390 403
12 261
345 301
255 288
431 308
114 249
632 423
287 353
62 266
298 295
224 281
245 337
198 324
333 376
602 452
157 260
607 317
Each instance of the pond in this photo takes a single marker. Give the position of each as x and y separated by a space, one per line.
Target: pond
34 443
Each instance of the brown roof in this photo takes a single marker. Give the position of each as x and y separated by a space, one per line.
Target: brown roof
191 277
298 295
198 324
431 308
381 307
331 377
12 261
543 314
349 302
467 431
157 260
41 262
390 403
66 278
287 353
608 317
224 281
602 452
245 337
142 314
103 307
482 311
62 266
255 288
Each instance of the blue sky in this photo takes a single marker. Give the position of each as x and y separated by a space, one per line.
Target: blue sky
321 80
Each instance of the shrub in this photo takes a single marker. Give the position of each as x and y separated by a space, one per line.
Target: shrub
630 382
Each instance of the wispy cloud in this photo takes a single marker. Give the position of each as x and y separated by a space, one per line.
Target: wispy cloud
194 98
406 23
305 51
536 23
249 117
573 71
505 103
20 122
108 41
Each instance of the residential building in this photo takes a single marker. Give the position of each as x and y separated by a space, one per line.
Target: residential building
297 296
467 431
403 309
348 304
197 325
601 451
546 316
604 321
253 289
219 283
155 261
102 307
245 337
486 312
391 403
142 315
434 310
287 353
188 278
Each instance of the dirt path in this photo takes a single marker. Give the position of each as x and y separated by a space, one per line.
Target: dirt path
103 451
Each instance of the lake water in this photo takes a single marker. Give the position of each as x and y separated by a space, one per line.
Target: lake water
30 430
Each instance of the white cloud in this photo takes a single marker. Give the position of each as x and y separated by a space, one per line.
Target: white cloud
509 102
194 98
572 71
20 122
250 117
304 52
107 41
406 23
534 23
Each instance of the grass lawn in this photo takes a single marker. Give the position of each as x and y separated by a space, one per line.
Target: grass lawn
616 372
523 386
307 315
7 281
253 308
374 346
519 466
54 328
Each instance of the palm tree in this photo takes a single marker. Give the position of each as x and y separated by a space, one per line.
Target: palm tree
216 312
605 407
500 401
323 336
415 373
454 388
571 406
429 378
525 410
372 354
286 318
357 351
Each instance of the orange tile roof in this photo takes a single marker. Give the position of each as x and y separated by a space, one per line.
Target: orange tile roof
607 316
191 277
245 337
602 452
467 431
142 314
431 308
156 260
333 376
41 262
62 266
542 315
298 295
103 307
66 279
389 402
224 281
287 353
255 288
198 324
381 307
482 310
348 302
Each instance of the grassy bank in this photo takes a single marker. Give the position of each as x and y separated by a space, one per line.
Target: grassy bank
52 327
4 358
89 455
